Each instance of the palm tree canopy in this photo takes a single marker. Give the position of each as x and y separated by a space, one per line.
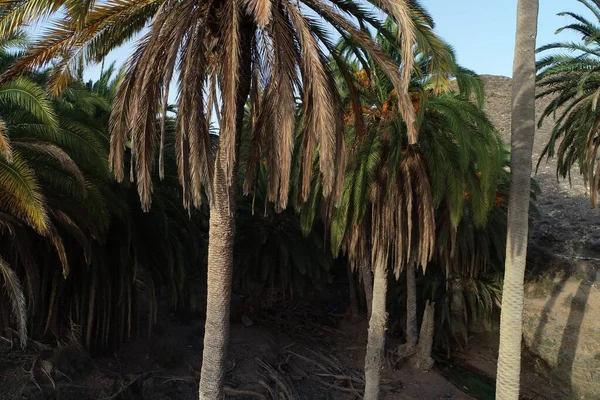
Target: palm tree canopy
569 74
457 160
61 212
203 45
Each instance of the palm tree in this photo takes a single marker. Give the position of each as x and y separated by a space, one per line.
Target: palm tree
264 50
450 128
523 130
22 199
570 77
89 218
387 176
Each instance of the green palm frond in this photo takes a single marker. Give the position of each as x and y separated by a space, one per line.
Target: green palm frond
21 194
29 96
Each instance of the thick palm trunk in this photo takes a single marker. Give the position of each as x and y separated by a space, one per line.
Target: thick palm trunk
523 129
422 358
220 270
412 331
377 328
367 279
220 252
458 308
411 308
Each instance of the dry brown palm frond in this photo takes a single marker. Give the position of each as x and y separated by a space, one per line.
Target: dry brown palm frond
273 133
425 206
229 42
400 11
201 41
151 69
120 125
68 223
24 258
403 222
171 57
260 10
58 41
59 247
195 159
16 297
357 112
283 385
345 28
321 114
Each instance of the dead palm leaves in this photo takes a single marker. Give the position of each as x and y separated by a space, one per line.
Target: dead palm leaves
288 49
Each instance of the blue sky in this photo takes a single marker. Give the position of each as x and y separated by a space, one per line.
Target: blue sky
481 31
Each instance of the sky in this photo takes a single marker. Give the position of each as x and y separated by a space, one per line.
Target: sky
481 31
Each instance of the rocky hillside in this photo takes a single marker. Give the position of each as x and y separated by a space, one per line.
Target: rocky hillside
567 224
561 321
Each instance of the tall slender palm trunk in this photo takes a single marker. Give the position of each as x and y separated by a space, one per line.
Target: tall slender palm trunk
220 250
377 328
220 271
523 130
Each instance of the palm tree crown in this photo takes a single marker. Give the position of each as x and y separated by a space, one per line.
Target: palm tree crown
569 74
278 48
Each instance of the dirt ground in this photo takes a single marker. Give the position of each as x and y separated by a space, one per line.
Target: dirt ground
481 354
310 362
273 358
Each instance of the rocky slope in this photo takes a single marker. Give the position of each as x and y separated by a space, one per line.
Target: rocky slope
562 308
568 224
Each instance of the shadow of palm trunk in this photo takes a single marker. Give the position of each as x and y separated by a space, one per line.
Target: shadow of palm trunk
556 289
570 337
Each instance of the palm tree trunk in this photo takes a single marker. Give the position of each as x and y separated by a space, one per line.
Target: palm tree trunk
411 308
412 332
423 360
377 328
220 250
458 308
367 279
523 130
220 271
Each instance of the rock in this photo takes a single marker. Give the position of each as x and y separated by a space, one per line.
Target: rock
594 245
247 322
148 387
